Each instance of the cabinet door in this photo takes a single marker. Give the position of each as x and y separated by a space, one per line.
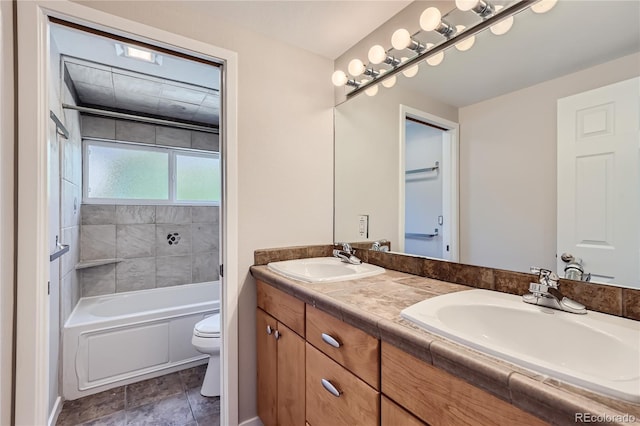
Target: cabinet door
267 367
394 415
291 376
354 402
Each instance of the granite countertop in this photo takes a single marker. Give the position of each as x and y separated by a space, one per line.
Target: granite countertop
373 304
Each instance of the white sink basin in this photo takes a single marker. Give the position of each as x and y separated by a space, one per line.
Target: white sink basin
323 269
595 351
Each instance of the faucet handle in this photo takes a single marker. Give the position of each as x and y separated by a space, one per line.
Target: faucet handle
346 247
546 276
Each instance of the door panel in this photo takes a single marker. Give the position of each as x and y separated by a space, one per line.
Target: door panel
267 368
598 181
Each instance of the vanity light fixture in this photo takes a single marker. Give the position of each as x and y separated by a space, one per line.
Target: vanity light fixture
390 82
339 79
431 20
436 59
401 39
479 7
411 71
467 43
503 26
499 19
356 68
377 55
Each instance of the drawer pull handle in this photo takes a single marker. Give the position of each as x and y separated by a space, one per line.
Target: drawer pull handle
330 388
277 335
329 340
269 330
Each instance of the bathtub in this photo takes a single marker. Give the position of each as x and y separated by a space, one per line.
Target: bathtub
113 340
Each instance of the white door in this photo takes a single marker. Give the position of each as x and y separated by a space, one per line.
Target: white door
599 183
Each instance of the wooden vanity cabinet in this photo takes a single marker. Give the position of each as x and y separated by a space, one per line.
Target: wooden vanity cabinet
373 383
439 398
345 360
280 357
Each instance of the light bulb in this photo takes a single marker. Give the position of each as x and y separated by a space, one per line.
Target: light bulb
435 59
372 91
543 6
339 78
410 72
503 26
430 19
401 39
356 67
465 5
377 54
390 82
466 44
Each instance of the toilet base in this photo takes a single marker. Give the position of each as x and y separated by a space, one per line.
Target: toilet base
211 382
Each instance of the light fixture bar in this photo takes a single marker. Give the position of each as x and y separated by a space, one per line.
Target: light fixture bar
457 38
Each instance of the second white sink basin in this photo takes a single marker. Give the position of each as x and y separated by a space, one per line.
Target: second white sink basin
323 269
595 351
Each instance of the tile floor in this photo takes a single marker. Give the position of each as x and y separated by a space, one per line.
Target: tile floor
171 400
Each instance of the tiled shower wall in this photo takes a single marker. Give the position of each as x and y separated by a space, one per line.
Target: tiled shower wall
132 131
139 234
160 246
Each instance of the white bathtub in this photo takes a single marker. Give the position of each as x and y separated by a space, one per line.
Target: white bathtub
113 340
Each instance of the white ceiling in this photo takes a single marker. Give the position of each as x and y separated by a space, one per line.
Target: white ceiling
327 28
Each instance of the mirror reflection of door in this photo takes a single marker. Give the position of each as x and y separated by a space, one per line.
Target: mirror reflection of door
424 218
599 182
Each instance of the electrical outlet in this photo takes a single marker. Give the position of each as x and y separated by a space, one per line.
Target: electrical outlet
363 226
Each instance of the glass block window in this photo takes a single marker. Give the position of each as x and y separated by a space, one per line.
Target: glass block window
123 173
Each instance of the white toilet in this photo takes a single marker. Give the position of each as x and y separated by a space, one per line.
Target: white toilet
206 339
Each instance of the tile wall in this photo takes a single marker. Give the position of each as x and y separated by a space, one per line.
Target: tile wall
131 131
160 246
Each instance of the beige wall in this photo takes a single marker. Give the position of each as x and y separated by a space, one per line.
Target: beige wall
367 160
7 143
508 169
285 145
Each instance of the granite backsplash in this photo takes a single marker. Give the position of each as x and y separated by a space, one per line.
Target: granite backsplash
619 301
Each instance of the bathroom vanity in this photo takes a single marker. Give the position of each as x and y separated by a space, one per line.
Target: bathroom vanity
340 354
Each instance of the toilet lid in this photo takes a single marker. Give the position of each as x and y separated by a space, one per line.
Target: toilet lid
209 326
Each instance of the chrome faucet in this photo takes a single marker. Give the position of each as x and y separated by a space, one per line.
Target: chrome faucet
546 293
347 254
380 245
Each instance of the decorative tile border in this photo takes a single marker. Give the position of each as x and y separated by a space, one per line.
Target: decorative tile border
619 301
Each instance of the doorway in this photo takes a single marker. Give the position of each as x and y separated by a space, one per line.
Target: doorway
429 192
32 381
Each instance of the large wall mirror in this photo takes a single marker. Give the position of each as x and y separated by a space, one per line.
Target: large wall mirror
524 160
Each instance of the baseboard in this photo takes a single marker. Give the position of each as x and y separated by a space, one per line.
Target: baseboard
55 412
255 421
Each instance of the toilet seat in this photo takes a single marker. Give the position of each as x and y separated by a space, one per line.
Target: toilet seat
208 327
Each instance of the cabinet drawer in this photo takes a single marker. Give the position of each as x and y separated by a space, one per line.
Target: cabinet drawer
440 398
357 404
282 306
358 351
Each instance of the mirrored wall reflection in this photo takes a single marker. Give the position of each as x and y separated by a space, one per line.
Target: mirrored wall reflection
504 94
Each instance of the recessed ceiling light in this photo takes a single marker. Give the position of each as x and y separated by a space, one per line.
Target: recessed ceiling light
137 53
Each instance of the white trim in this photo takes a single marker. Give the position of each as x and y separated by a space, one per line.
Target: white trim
7 204
450 158
55 412
33 262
